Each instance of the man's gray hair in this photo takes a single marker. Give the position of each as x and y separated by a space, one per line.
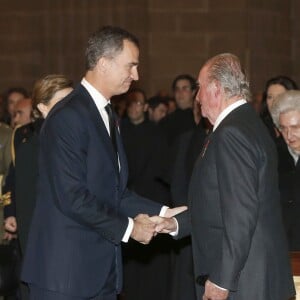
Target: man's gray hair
285 102
226 69
106 42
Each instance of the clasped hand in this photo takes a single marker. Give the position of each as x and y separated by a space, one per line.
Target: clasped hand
145 227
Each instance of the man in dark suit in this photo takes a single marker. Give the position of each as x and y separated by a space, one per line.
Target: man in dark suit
239 245
141 138
285 112
83 209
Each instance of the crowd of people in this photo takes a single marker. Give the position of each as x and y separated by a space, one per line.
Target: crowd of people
77 192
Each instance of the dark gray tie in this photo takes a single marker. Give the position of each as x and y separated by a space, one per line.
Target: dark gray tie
112 126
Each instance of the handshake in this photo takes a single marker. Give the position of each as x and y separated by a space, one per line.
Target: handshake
145 227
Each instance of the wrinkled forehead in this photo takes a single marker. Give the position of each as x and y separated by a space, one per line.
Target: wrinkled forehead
203 75
289 118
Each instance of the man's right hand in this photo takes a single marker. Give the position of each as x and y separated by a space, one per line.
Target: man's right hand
10 224
10 227
143 229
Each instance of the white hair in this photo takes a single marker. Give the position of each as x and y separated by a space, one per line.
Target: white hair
226 69
285 102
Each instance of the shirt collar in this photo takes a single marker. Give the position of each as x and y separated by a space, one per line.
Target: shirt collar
294 155
98 98
227 111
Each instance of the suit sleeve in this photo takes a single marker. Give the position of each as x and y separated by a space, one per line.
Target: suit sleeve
132 204
64 144
237 173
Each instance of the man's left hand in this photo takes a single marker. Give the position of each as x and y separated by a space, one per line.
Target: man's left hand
164 225
171 212
212 292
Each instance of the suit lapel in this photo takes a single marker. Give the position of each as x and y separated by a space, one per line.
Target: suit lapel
100 126
298 165
122 158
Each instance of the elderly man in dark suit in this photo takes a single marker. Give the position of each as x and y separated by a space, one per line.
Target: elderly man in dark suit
239 245
83 209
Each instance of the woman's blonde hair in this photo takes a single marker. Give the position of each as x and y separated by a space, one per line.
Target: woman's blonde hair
45 88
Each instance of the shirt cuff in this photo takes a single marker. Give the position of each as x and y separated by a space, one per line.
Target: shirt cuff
175 233
128 231
219 287
163 211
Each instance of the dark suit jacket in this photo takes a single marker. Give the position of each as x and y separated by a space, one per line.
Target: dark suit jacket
237 232
290 198
22 177
82 203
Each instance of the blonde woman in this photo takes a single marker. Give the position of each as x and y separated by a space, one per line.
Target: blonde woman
21 180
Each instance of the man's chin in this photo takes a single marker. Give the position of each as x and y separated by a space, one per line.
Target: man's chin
125 88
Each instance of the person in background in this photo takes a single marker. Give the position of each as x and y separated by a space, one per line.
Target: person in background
285 112
11 98
23 113
145 149
274 87
257 102
120 105
157 108
238 239
172 106
181 120
5 159
5 146
23 174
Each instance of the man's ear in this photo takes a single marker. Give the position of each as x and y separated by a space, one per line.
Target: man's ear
102 64
42 108
194 93
216 88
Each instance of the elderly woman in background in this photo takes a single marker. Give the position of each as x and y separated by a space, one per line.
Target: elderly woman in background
22 177
285 112
274 87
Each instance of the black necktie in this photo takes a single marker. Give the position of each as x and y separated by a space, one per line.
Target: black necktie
112 125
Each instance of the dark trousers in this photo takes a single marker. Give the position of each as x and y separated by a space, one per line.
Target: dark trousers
42 294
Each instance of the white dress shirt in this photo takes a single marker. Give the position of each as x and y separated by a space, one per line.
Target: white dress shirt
227 111
101 102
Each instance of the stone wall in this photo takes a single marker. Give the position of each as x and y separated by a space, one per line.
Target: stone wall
49 36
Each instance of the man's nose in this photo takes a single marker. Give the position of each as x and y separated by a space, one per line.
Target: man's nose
289 133
197 98
135 74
